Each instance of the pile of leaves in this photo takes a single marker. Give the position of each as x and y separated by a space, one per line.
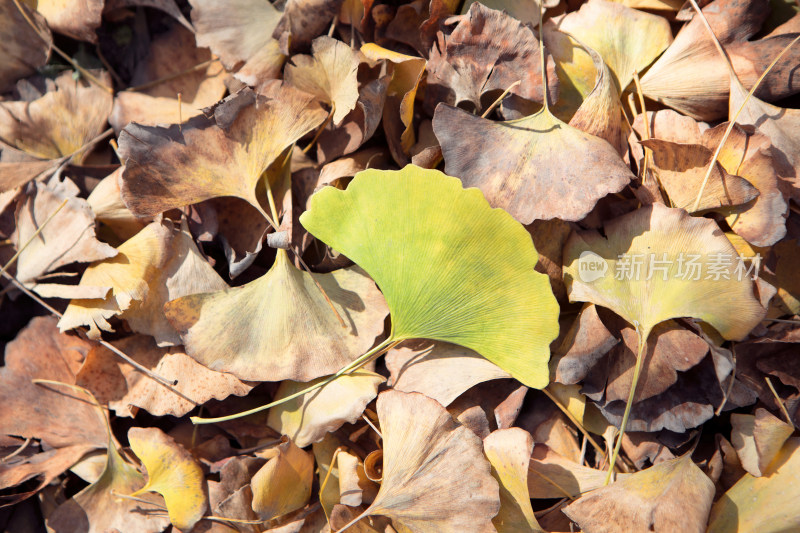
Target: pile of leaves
328 265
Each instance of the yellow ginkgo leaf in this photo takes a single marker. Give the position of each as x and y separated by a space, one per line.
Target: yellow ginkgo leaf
283 484
509 452
171 472
281 326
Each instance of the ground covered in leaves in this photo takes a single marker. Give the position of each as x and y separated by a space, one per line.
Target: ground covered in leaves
327 265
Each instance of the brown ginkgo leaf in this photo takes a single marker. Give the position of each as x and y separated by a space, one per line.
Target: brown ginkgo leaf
24 48
205 158
76 18
758 439
672 496
435 476
542 158
486 51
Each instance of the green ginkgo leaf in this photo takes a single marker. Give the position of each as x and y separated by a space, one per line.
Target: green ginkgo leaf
450 267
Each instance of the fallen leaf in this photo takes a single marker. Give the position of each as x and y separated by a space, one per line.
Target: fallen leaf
24 48
652 292
286 327
552 476
420 366
681 170
584 344
434 472
109 209
692 78
528 176
765 504
60 417
672 496
283 484
398 110
304 20
308 418
69 236
628 40
76 18
509 315
485 51
170 53
225 155
758 439
98 508
509 452
125 278
60 123
240 33
331 75
171 472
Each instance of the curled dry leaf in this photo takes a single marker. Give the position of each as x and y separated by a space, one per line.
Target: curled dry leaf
69 236
552 476
767 504
240 33
509 452
331 75
308 418
98 509
681 170
225 155
283 484
486 51
420 366
525 180
170 53
284 326
672 496
434 473
398 110
109 209
628 40
24 48
645 296
171 472
692 78
758 439
124 277
124 388
509 314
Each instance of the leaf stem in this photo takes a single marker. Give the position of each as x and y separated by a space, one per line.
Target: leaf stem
636 371
374 352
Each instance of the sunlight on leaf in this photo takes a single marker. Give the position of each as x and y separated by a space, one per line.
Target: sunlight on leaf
284 483
450 268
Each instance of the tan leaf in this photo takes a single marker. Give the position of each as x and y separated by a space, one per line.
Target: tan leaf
283 484
171 472
126 276
331 75
758 439
170 53
509 452
59 123
672 496
69 236
108 207
435 476
225 155
308 418
418 366
286 328
552 476
485 51
76 18
21 46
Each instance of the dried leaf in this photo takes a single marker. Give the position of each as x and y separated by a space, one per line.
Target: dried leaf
76 18
171 472
24 49
308 418
758 439
285 328
672 496
283 484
